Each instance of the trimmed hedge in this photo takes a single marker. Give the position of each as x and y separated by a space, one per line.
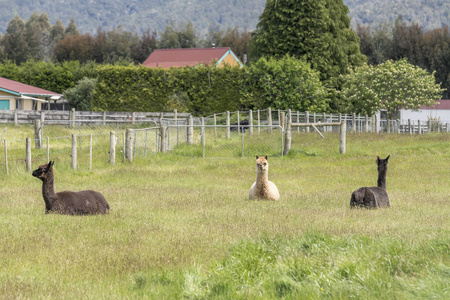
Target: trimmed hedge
202 90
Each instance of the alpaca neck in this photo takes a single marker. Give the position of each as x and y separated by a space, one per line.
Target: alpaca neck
262 178
48 191
381 179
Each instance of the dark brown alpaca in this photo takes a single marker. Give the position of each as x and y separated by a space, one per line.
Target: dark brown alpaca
370 197
69 203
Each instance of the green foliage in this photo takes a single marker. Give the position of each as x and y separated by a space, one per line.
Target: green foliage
55 77
316 30
429 50
81 94
391 86
201 90
283 84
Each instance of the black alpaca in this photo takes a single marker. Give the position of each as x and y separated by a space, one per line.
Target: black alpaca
243 125
370 197
69 203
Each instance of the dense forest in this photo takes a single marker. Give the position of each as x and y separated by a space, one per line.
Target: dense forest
141 15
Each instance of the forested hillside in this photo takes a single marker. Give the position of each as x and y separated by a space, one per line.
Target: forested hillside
140 15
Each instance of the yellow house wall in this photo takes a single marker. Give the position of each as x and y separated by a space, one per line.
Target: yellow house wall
229 60
27 104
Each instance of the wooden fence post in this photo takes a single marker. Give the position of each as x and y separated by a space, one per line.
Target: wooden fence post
281 120
72 117
354 122
228 125
74 151
307 120
203 135
190 132
112 147
288 134
258 115
163 132
342 137
238 122
419 127
129 145
366 123
250 121
215 127
16 117
28 154
37 134
269 119
377 127
324 120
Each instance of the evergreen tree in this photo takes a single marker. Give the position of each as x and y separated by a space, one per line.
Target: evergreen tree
14 42
318 30
72 28
145 46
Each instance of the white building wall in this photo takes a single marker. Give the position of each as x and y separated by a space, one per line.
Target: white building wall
442 115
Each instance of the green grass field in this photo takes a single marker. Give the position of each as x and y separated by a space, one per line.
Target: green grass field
182 228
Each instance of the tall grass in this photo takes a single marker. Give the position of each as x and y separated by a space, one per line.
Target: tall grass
182 227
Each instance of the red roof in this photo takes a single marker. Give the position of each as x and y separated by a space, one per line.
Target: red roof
443 104
15 87
166 58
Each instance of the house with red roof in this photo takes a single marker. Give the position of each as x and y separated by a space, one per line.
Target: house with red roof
190 57
19 96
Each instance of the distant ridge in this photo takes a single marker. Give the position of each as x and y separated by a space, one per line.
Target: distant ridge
139 15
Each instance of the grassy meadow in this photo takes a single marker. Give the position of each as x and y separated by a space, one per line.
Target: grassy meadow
182 228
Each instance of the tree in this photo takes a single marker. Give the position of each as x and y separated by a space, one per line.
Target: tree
182 37
71 28
145 46
436 49
318 30
375 44
74 47
238 41
37 34
282 84
14 42
80 95
392 86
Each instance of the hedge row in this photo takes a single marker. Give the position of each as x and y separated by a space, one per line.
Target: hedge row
202 90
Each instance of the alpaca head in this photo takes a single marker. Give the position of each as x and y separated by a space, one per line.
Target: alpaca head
262 165
382 163
42 171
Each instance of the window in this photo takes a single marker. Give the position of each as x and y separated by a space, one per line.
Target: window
19 104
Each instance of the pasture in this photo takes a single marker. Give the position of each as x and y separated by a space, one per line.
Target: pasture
182 227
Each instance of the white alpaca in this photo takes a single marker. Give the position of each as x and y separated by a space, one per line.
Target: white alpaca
263 188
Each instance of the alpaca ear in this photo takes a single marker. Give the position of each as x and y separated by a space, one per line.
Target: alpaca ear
266 157
48 166
378 159
388 157
257 156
